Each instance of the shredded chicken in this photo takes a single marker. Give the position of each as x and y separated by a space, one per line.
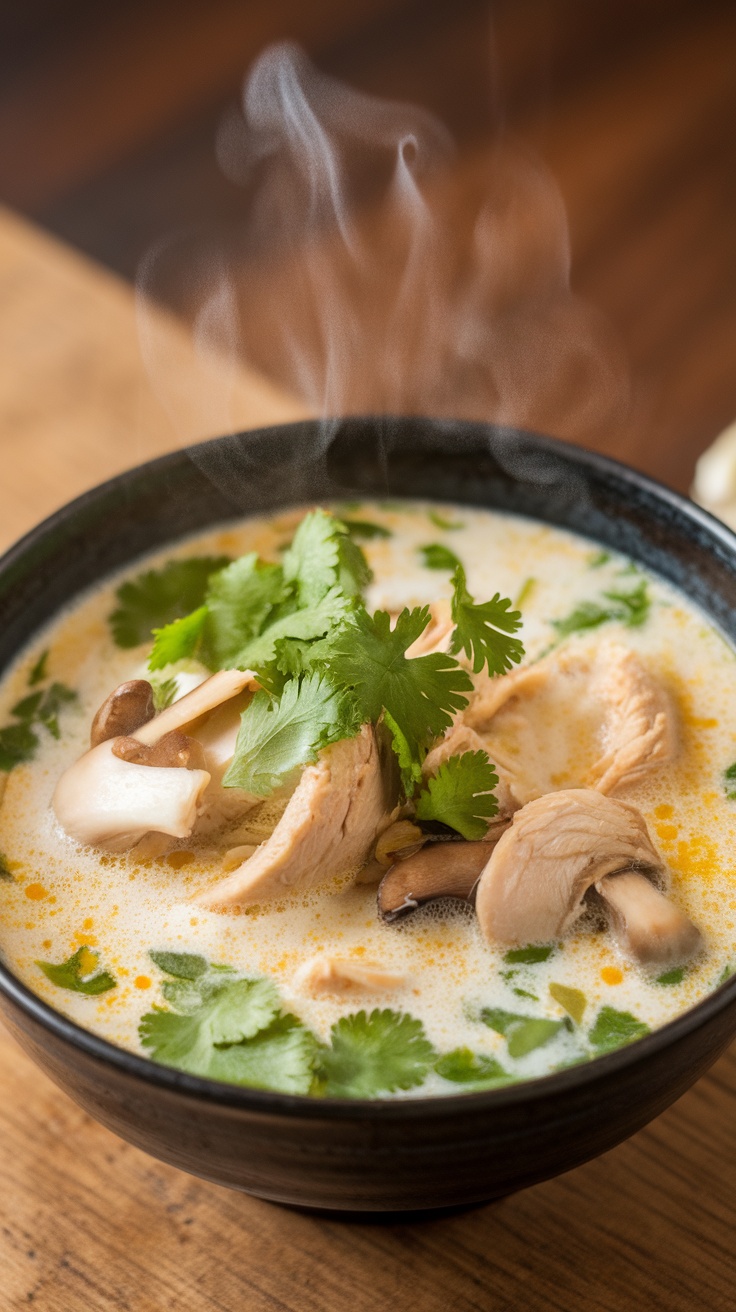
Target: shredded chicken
346 974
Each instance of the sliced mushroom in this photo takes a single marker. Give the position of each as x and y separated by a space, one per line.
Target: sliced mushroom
438 870
560 846
328 828
399 841
345 974
127 708
174 751
108 802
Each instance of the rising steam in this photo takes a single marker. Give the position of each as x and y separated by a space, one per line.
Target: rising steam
373 274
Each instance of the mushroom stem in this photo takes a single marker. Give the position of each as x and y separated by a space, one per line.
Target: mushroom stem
651 927
438 870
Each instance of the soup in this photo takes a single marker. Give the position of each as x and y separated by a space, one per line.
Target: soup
384 801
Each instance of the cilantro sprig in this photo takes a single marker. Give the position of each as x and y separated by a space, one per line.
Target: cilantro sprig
159 596
461 795
19 739
483 629
79 973
374 1054
630 608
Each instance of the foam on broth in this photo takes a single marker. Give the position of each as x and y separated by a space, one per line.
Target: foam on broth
63 897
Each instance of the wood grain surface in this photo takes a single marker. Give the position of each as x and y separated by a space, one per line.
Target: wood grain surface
87 1221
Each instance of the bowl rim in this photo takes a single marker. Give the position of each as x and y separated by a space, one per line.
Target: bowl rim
409 1106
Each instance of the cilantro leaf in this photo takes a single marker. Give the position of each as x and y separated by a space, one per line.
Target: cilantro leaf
323 556
158 596
729 782
528 956
671 977
313 621
475 1071
38 672
573 1001
436 556
366 529
613 1029
629 608
18 743
27 707
5 871
275 738
164 693
522 1033
377 1053
461 795
77 974
420 694
53 699
239 601
598 558
178 640
483 630
226 1028
410 764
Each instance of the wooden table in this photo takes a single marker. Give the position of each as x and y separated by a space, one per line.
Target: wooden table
88 1222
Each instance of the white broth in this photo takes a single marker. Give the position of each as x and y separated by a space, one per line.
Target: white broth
58 896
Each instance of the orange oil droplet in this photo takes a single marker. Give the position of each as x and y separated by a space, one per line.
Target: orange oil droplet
35 892
178 859
142 982
612 975
665 811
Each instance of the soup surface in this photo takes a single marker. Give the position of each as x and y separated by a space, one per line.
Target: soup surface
311 990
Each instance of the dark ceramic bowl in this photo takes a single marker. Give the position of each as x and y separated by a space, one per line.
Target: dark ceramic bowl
423 1153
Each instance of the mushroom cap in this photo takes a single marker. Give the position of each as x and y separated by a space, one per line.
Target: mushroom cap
128 706
104 801
450 869
555 849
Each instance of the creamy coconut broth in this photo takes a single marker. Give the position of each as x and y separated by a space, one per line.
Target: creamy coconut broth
492 1011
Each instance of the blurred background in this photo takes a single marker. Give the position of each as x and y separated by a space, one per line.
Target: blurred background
109 116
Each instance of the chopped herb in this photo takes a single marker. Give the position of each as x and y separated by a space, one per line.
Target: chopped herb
525 592
529 956
276 737
441 521
462 1066
675 976
178 640
461 795
725 974
227 1029
18 743
483 630
38 673
373 1054
53 699
524 993
77 974
613 1029
365 529
574 1001
598 558
522 1033
410 766
183 965
164 692
729 777
240 602
5 871
321 557
420 693
629 608
160 596
438 557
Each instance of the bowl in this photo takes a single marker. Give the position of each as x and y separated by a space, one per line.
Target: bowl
360 1157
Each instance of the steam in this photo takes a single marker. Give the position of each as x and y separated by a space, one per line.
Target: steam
371 276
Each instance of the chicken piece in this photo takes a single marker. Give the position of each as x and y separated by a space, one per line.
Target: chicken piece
640 732
346 975
328 828
557 848
582 716
436 636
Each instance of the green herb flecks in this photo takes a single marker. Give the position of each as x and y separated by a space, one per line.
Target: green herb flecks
526 590
164 692
614 1029
436 556
598 558
5 871
671 977
629 608
572 1000
374 1054
729 782
38 672
483 630
160 596
442 521
19 740
472 1070
78 974
365 530
522 1033
529 956
461 795
227 1028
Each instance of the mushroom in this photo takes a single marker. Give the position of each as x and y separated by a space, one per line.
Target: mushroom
110 802
328 827
343 974
174 751
128 707
559 847
447 869
201 701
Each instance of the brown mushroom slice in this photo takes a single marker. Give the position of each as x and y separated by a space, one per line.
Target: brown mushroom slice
328 828
438 870
653 929
103 801
201 701
127 708
348 974
174 751
557 848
